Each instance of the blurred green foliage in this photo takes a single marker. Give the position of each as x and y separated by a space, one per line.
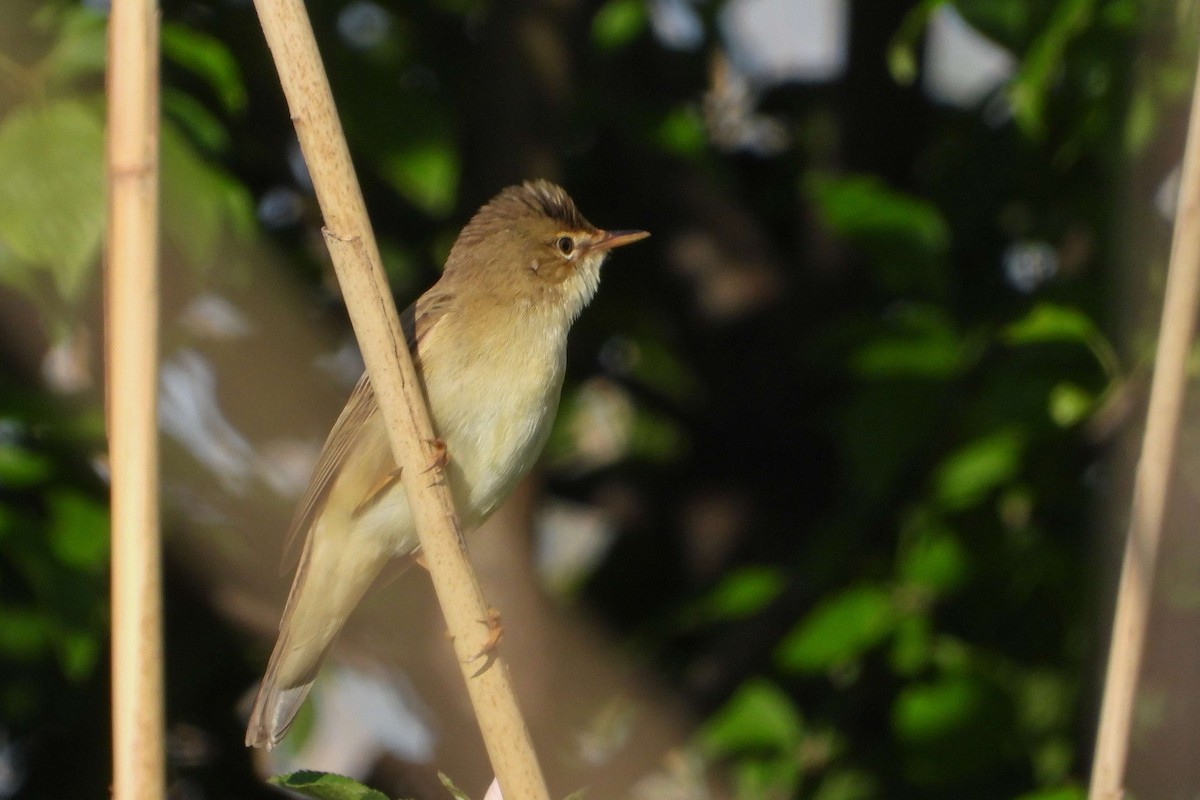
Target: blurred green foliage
53 555
900 424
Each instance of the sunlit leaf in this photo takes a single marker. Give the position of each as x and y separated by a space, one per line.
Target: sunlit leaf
326 786
52 195
1070 404
194 118
744 592
1141 121
202 205
977 468
934 711
207 58
766 777
758 717
952 726
618 22
904 236
902 55
682 132
455 792
426 175
1047 322
839 630
1030 90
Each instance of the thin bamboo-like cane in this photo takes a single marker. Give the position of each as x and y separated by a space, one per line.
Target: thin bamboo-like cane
1153 477
368 299
131 318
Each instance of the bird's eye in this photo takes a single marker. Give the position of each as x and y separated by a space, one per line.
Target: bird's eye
565 245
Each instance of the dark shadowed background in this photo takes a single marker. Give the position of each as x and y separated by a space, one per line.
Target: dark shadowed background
833 503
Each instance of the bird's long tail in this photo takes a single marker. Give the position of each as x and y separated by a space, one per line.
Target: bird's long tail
319 603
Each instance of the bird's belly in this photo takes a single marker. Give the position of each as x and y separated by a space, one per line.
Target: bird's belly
494 428
493 444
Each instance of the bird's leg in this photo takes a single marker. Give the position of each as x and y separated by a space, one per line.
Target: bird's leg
441 454
495 631
377 491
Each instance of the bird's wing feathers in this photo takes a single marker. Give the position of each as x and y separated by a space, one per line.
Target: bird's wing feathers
417 321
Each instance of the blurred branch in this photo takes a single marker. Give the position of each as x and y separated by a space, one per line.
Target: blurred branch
360 272
1153 480
132 322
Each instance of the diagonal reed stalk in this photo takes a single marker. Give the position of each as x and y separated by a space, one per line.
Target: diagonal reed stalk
368 299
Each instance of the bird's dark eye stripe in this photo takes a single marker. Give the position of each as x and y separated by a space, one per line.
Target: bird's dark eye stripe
565 245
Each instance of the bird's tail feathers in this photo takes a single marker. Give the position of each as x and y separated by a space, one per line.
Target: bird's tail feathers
317 607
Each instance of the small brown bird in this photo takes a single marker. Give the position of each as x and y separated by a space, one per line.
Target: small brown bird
489 342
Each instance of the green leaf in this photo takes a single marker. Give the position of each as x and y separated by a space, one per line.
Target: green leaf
1030 90
922 344
455 792
766 779
912 645
207 58
905 237
1003 20
79 45
426 175
681 132
901 54
202 205
78 652
25 633
744 592
79 530
194 118
326 786
966 476
1047 322
758 717
52 195
1070 404
848 785
618 22
933 712
20 468
932 558
839 630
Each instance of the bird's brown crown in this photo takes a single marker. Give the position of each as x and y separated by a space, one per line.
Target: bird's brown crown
532 202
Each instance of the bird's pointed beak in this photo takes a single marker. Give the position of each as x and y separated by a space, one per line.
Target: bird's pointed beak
607 240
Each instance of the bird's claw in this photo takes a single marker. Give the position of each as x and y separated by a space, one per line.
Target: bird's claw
441 454
495 631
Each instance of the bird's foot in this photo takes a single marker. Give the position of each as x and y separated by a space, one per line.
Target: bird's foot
441 454
495 631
